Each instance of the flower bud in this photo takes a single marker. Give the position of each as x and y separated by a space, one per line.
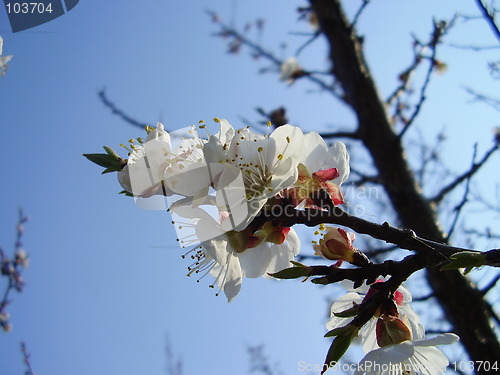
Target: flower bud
391 330
336 244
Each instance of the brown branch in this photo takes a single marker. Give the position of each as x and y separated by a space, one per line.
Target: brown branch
459 298
489 16
228 31
402 238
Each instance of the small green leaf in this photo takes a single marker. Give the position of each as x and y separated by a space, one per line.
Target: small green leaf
125 192
465 259
337 331
104 160
353 311
111 152
298 264
291 273
339 346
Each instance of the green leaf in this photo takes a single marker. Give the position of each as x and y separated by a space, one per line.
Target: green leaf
111 152
298 264
353 311
337 331
339 346
291 273
104 160
465 259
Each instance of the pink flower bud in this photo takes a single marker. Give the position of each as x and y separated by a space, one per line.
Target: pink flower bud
391 330
336 244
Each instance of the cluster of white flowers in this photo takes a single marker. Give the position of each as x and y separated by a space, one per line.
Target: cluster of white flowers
394 339
220 187
3 59
227 192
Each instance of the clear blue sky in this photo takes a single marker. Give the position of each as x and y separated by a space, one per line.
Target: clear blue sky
106 283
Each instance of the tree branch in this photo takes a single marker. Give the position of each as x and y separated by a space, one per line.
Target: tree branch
118 112
464 176
489 16
460 300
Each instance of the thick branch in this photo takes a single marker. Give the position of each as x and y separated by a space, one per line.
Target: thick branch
461 301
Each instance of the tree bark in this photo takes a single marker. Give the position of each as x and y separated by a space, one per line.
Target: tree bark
462 303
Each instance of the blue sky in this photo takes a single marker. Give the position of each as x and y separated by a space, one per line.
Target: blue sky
106 283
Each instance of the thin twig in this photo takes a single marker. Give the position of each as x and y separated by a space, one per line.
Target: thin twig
423 298
308 42
27 360
258 50
489 17
460 206
492 102
490 285
117 111
359 12
12 268
464 176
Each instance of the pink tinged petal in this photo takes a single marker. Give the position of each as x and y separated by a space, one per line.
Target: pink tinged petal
334 192
398 298
326 174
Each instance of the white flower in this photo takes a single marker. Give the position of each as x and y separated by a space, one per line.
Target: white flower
408 357
156 167
290 70
3 59
320 167
255 168
231 256
402 298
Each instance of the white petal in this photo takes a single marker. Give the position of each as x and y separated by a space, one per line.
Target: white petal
314 153
340 160
232 278
255 261
429 360
343 303
442 339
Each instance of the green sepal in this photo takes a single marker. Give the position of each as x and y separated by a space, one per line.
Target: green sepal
110 160
111 152
321 281
337 331
298 264
339 346
126 193
353 311
291 273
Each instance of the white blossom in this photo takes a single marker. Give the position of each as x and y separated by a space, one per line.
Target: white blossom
408 357
3 59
